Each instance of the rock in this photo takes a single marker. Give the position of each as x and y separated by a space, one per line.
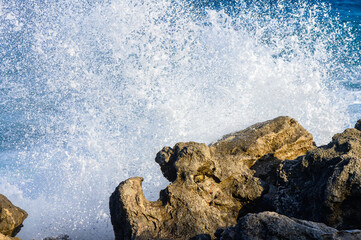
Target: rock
60 237
282 137
11 217
3 237
325 184
271 225
201 237
358 125
210 185
195 203
344 235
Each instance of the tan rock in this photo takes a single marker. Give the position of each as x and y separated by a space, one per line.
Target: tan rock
210 184
11 217
196 202
283 137
3 237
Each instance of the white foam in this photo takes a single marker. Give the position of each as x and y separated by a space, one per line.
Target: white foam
117 81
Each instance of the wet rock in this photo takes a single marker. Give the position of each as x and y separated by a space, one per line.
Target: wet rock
271 225
11 217
210 185
324 185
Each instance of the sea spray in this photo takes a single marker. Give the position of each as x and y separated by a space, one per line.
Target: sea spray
91 90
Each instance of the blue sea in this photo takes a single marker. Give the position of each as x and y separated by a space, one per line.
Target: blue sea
91 90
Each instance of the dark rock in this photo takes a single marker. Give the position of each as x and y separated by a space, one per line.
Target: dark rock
325 184
211 186
344 235
11 217
201 237
60 237
358 125
271 225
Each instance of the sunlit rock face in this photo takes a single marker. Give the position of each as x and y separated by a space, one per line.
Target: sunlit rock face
210 185
11 218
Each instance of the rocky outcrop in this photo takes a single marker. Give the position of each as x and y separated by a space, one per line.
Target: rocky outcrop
210 185
271 225
196 202
271 166
324 185
3 237
11 218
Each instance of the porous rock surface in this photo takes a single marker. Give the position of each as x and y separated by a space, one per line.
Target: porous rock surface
210 185
11 218
282 137
271 225
3 237
324 185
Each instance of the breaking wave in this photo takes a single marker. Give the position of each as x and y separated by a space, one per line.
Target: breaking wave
91 90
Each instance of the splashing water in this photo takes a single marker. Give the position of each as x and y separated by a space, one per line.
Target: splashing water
91 90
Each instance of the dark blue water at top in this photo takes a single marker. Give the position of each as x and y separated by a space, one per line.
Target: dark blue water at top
346 11
349 12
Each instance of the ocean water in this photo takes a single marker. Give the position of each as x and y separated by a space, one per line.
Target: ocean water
91 90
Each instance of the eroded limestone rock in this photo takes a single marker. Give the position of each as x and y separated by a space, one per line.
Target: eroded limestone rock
11 217
196 202
3 237
325 184
210 184
282 137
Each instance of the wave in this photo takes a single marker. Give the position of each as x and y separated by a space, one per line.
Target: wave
100 86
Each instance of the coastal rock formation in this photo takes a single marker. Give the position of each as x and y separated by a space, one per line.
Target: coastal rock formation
11 218
324 185
211 186
196 202
271 225
250 171
3 237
